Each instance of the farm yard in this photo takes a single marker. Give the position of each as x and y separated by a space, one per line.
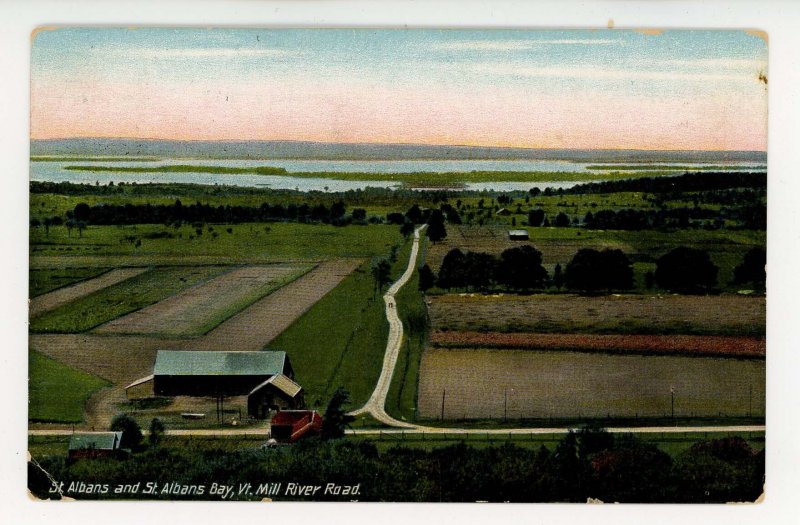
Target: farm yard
105 299
607 314
481 383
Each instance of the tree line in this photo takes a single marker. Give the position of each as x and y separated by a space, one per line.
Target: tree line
112 214
699 181
681 270
588 463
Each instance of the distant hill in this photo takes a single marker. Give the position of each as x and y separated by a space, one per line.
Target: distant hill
253 149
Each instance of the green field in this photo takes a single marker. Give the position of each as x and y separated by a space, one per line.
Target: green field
43 281
132 294
341 340
247 243
58 392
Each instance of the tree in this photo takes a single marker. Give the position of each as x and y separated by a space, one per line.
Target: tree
451 273
686 270
479 269
407 228
617 270
69 224
156 432
753 268
381 270
81 225
558 277
359 214
414 214
562 220
131 432
426 278
336 419
521 268
591 270
436 230
81 212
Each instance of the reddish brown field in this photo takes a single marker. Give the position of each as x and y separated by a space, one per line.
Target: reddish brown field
655 344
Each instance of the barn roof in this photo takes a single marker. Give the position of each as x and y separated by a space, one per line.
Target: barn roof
95 440
194 363
282 383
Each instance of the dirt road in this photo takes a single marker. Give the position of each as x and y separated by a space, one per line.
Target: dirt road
375 406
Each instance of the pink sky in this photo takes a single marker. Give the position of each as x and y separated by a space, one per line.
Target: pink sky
296 109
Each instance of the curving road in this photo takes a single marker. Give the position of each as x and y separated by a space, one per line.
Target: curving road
375 406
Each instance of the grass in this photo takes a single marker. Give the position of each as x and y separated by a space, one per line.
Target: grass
341 340
43 281
57 392
115 246
122 298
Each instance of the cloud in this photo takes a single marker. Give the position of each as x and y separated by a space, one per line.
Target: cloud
516 45
207 52
585 73
720 63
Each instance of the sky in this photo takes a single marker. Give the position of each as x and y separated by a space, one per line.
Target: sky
586 89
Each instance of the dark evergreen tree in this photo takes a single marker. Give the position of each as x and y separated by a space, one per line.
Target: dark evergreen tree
426 278
336 419
436 231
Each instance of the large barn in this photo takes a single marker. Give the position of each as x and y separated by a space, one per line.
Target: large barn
266 378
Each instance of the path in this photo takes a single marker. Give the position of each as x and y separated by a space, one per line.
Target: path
375 406
54 299
262 432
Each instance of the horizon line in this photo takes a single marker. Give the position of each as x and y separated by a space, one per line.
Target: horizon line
295 141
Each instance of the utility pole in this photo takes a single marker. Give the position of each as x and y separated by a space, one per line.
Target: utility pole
672 396
750 403
443 394
505 404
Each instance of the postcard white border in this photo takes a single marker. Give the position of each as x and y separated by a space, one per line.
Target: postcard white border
779 19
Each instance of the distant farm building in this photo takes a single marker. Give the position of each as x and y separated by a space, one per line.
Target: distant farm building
266 378
503 212
94 445
518 235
